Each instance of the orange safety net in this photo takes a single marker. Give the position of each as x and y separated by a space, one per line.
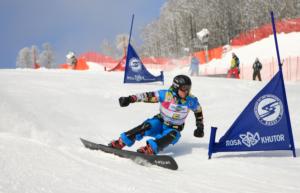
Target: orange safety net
37 66
215 53
253 35
81 65
106 61
65 66
119 67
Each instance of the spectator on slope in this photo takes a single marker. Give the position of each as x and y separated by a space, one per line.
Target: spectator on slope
194 66
257 66
72 60
234 70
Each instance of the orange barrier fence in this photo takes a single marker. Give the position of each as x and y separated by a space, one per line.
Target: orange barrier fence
150 62
154 62
291 69
215 53
168 64
99 58
81 65
286 26
213 71
119 67
291 65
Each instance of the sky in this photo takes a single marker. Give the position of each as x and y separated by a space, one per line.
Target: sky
69 25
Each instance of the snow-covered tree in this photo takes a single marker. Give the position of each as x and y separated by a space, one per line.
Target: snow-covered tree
46 58
35 55
24 59
107 48
180 20
122 41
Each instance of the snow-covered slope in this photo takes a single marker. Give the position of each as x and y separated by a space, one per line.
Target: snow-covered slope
266 52
43 113
263 49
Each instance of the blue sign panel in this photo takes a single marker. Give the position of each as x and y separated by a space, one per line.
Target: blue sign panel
136 72
263 125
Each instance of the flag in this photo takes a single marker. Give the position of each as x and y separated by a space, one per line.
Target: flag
136 72
263 125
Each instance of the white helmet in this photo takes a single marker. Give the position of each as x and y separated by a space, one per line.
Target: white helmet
70 55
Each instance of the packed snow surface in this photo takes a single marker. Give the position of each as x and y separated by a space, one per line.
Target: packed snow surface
43 113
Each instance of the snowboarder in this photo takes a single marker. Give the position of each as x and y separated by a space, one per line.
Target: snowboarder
257 66
165 127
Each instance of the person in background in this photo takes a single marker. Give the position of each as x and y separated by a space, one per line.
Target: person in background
194 66
71 59
257 66
234 70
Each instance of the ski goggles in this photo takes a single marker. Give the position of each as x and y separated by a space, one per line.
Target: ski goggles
185 88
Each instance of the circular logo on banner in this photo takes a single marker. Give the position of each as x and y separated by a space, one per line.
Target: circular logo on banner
135 64
268 110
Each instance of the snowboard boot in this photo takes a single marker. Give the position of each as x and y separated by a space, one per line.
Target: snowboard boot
117 144
146 150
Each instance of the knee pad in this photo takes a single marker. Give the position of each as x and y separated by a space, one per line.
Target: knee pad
138 132
126 140
168 138
177 136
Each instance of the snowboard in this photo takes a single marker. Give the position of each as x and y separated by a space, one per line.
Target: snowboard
164 161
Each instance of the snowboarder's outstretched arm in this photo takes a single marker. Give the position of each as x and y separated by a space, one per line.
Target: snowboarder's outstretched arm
147 97
199 131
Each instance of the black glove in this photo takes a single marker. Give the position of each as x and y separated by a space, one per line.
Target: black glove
125 101
199 132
